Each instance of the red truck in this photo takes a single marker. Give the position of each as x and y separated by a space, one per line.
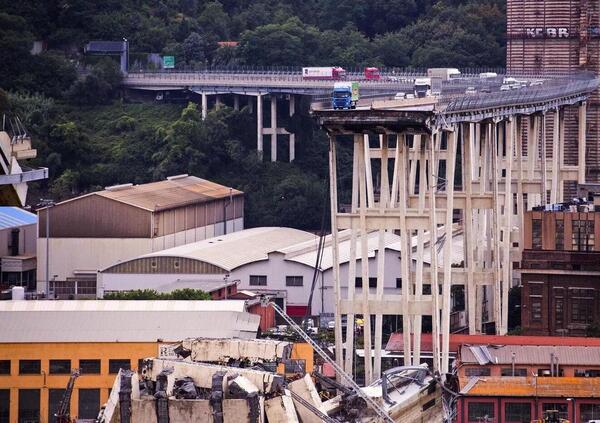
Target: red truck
372 73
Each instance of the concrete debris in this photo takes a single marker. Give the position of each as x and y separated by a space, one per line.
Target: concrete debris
281 409
185 390
202 374
223 351
305 388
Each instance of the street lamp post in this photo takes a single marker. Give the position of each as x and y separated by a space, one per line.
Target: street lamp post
48 204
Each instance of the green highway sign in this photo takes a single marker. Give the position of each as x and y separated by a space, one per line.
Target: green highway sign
168 62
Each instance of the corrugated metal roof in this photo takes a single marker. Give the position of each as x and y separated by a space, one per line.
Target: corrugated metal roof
123 321
11 217
306 253
238 248
545 387
170 193
396 341
534 354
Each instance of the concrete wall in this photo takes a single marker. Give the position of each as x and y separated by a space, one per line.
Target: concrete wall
70 254
27 237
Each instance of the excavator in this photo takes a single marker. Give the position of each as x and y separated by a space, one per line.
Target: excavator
551 416
63 414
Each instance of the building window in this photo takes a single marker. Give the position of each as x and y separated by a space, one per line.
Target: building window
427 289
29 405
399 283
547 373
258 280
89 367
89 403
479 411
509 372
589 412
587 373
30 367
4 405
294 281
563 409
559 308
560 234
536 234
115 364
583 235
477 371
536 308
372 282
517 412
60 367
4 367
55 396
86 288
582 305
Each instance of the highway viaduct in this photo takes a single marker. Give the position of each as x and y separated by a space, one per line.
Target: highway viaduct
406 180
255 87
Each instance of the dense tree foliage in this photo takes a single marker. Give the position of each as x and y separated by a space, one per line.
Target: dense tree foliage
151 294
90 137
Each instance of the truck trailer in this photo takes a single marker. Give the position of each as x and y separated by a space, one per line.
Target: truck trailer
444 74
345 95
331 72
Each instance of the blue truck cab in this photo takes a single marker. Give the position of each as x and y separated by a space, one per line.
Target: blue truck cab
345 95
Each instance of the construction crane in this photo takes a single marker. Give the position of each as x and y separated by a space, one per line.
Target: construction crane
63 414
381 413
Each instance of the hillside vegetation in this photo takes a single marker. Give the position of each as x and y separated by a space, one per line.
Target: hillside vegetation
90 137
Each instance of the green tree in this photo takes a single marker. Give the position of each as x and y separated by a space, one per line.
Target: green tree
214 20
151 294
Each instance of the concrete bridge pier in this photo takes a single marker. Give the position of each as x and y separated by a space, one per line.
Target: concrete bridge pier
204 106
259 126
236 102
274 130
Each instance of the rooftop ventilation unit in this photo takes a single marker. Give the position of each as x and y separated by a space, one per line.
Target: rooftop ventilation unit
175 177
119 187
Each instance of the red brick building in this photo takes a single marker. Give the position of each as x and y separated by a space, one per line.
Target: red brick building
522 399
560 272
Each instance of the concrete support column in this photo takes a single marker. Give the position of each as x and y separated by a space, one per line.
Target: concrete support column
544 161
274 128
204 106
218 102
582 142
236 102
555 157
250 104
259 126
292 136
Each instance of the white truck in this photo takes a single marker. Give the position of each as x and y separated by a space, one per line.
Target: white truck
329 72
443 73
422 87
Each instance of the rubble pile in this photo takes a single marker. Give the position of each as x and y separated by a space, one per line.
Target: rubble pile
225 381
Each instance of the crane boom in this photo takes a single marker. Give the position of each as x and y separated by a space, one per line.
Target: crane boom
63 414
370 402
